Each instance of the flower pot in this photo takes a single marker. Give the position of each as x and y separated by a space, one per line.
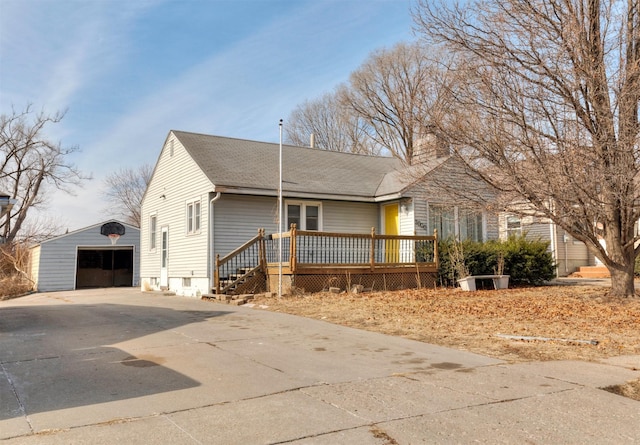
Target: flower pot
501 282
468 283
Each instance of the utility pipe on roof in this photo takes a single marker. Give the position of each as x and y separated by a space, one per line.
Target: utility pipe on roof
212 258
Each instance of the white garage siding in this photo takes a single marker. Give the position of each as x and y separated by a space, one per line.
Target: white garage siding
34 259
54 261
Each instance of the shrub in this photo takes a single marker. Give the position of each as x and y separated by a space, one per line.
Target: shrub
14 259
525 261
13 286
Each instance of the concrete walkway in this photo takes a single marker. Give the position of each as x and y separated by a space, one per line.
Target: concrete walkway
121 366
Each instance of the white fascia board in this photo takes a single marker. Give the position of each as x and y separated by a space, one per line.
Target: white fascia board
290 194
389 197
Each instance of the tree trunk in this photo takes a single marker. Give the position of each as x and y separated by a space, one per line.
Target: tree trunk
622 284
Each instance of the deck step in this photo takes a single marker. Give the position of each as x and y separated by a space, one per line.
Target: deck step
591 272
243 279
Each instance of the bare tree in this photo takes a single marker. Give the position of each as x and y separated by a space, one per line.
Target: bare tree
548 111
124 190
334 127
30 164
397 93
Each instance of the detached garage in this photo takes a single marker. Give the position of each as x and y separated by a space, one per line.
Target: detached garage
103 255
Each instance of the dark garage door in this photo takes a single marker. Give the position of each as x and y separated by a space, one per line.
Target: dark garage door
104 267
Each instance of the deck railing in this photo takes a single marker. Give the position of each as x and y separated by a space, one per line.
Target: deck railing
316 250
321 252
244 260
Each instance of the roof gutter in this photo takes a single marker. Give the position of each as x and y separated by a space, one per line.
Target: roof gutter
306 195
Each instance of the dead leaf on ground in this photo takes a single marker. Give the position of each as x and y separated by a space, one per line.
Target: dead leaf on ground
471 320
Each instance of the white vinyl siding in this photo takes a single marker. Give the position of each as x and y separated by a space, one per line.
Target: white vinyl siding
34 260
420 214
57 258
406 218
350 217
571 253
176 178
237 219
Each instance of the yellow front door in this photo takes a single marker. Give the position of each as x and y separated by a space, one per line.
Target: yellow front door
391 227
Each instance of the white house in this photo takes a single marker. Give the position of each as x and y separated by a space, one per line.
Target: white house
88 257
570 255
6 203
210 194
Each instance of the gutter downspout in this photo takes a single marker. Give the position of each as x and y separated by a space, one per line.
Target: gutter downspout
212 250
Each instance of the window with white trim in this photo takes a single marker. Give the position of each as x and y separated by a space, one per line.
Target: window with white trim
470 225
458 222
514 225
153 231
193 217
305 215
443 219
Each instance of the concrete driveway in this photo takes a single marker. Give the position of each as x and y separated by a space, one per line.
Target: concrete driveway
120 366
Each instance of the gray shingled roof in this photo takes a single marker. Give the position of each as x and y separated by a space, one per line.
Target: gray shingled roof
241 164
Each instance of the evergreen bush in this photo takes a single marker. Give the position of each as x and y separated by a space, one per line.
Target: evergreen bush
526 261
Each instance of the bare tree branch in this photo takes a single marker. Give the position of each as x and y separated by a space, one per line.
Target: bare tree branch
545 108
333 126
397 93
124 190
31 164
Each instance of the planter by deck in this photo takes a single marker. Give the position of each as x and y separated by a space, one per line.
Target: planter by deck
501 282
467 283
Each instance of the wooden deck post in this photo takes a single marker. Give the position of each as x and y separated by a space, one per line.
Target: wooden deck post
262 254
435 249
216 274
293 248
372 255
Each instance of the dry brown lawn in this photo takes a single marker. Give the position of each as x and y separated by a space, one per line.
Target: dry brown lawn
570 316
576 322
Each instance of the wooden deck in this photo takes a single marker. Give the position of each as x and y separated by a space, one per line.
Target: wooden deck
313 261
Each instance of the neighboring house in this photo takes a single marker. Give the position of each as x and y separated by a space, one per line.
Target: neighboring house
6 203
88 258
569 254
208 195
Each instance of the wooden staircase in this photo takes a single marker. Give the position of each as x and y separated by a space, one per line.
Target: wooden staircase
243 270
591 272
241 280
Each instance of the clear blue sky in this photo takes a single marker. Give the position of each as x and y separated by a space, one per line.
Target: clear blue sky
128 71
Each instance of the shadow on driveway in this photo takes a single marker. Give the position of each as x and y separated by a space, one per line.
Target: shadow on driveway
61 356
